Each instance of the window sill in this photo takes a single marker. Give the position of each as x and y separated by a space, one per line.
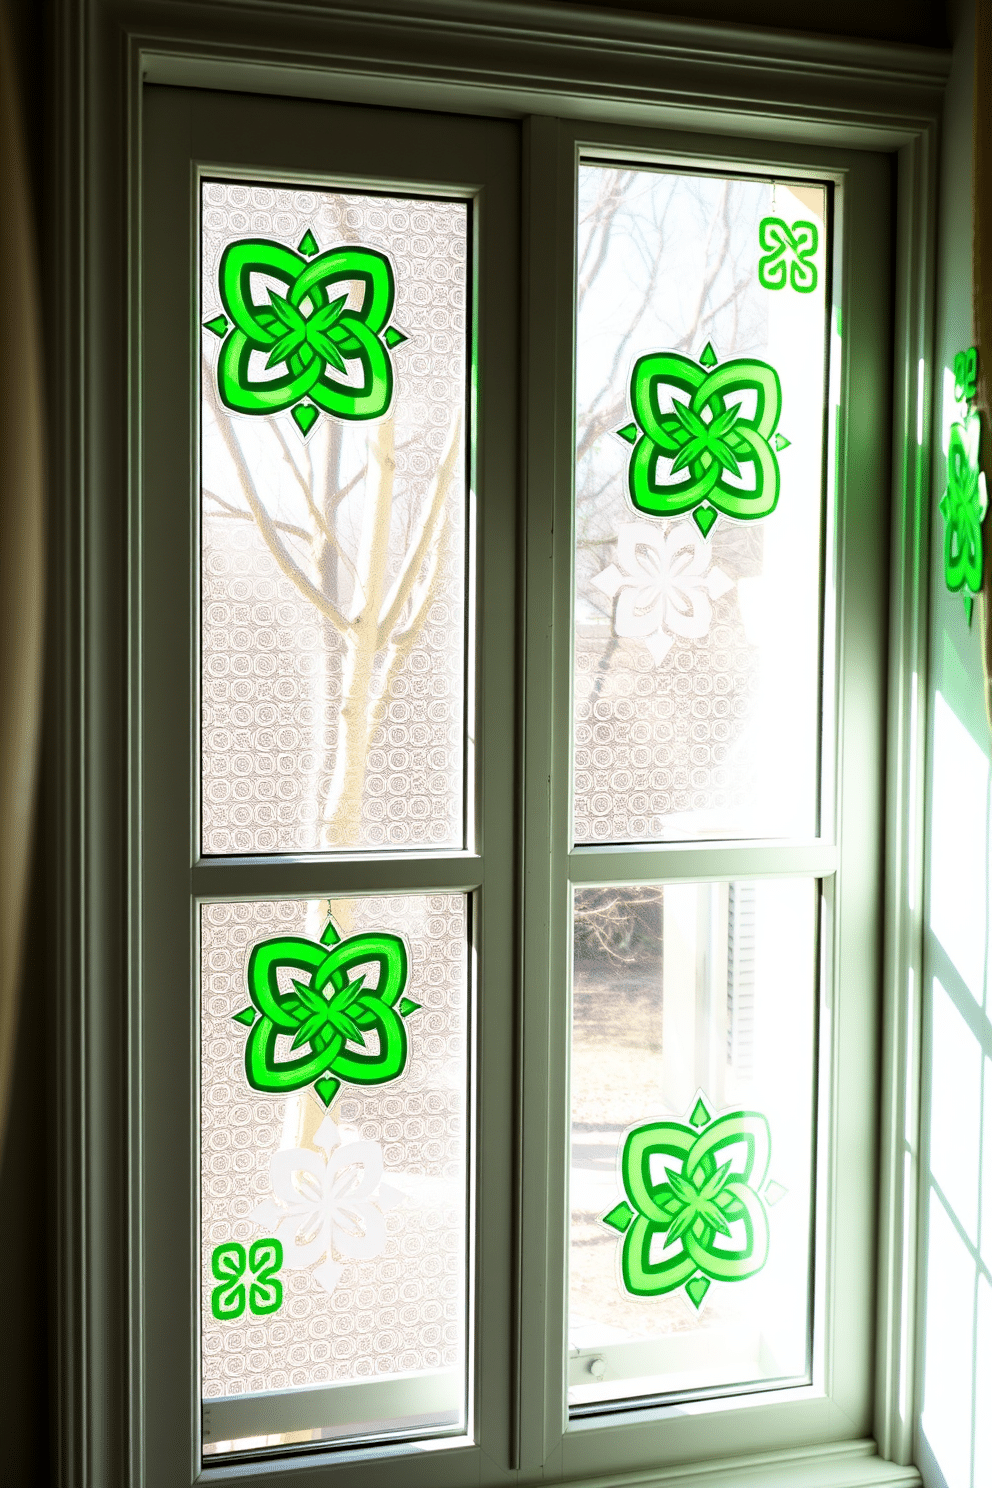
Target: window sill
845 1465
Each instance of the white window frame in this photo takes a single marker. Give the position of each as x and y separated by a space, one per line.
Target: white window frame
505 60
192 135
845 853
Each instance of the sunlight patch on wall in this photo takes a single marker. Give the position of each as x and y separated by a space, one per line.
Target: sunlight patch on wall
959 848
956 1111
947 1386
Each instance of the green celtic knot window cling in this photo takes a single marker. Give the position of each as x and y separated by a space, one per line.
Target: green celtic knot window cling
965 499
788 256
711 1174
262 1294
966 374
706 455
308 336
332 1013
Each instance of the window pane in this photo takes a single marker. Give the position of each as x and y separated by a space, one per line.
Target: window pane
701 368
333 519
692 1134
334 1082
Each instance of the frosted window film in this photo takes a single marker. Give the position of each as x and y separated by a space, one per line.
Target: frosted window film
692 1076
334 1235
701 324
333 384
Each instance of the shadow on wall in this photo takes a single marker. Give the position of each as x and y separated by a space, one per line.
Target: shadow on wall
923 22
957 1375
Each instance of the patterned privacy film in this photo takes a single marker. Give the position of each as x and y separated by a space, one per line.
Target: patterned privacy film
701 368
692 1078
334 1080
333 397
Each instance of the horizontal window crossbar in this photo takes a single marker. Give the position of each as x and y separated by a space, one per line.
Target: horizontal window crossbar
288 878
413 1402
688 862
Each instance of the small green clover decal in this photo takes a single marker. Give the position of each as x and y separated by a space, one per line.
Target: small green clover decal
788 254
691 1184
324 354
330 1015
695 449
263 1295
966 374
963 507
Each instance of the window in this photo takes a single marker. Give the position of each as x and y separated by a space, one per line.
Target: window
697 708
357 678
339 706
333 717
509 686
698 909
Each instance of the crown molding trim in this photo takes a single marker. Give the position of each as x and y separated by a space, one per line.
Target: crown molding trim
570 60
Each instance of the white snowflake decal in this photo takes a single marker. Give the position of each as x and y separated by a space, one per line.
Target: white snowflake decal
328 1206
664 586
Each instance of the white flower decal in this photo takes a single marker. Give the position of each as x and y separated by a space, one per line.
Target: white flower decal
662 587
328 1207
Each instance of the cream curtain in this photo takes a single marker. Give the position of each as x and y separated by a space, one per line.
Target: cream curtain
21 549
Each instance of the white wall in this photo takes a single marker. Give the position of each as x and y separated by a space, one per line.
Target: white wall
955 1426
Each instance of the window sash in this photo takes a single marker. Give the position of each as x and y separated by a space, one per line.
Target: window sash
677 861
846 856
658 1437
189 135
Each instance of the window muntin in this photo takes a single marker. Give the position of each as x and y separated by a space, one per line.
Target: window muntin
333 542
698 616
666 1436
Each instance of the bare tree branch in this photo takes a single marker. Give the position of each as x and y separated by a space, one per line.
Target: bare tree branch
230 511
605 216
305 486
597 426
607 923
407 576
269 531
